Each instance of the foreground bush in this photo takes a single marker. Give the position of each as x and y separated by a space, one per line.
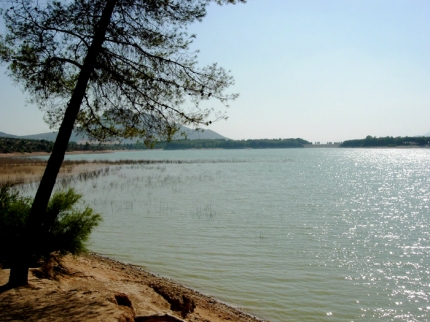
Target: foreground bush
67 233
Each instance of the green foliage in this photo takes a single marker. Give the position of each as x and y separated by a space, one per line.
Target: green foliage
234 144
14 211
388 141
67 232
10 145
13 145
71 227
144 74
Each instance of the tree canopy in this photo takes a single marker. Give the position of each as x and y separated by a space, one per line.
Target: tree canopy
144 81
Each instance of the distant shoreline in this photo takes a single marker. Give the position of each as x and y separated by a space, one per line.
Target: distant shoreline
38 154
317 146
305 146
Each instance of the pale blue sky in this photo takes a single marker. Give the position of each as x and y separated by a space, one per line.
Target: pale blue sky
321 70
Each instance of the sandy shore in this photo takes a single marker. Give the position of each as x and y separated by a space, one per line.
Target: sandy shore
95 288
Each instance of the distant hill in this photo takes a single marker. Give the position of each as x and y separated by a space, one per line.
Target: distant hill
51 136
199 135
427 134
5 135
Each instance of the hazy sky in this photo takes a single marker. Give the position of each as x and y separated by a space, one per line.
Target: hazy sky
321 70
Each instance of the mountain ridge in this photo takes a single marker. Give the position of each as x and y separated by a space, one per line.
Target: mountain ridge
79 138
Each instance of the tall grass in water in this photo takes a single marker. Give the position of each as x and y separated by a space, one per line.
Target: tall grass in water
25 170
28 171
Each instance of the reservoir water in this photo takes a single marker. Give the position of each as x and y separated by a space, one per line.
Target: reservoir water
288 234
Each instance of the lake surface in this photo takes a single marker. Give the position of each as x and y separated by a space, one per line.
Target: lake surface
288 234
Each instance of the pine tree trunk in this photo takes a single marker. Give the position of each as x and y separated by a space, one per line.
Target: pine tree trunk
37 218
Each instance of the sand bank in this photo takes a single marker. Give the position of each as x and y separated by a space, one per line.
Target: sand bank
95 288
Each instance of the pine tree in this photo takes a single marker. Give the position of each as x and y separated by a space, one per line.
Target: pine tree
110 68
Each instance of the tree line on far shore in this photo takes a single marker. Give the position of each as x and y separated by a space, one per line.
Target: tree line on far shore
13 145
388 141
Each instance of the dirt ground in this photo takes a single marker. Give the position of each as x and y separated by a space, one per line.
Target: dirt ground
95 288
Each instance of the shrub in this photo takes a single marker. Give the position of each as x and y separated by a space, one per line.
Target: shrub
67 233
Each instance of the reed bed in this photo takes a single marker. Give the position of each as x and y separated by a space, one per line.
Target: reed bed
196 161
26 170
